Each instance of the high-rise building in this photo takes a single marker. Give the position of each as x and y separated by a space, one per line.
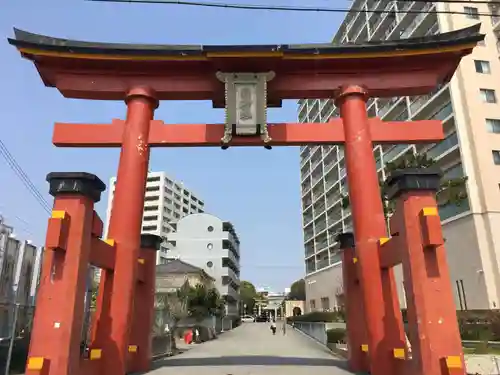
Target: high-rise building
165 202
468 108
207 242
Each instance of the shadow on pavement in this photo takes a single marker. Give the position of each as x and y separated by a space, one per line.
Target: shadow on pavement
256 360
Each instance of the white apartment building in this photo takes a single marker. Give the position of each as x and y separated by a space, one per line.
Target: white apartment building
209 243
467 106
165 202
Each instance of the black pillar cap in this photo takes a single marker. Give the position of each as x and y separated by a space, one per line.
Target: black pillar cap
413 179
345 240
150 241
82 183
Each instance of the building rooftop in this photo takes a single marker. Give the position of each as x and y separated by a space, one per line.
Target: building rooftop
177 266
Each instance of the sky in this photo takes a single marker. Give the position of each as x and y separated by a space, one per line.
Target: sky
256 189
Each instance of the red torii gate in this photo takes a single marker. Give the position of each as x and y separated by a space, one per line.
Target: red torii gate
144 75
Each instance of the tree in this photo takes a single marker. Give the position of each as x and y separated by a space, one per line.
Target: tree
203 302
248 295
298 291
451 191
93 294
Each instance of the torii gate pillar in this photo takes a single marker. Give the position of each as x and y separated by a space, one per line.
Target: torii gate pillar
380 298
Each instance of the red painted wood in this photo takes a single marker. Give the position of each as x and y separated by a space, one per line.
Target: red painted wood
58 320
389 76
379 295
433 326
355 314
209 135
125 228
143 317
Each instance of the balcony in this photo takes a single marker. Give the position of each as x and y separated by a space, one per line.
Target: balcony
317 175
232 293
387 106
306 201
418 20
332 197
321 243
443 146
308 234
335 256
319 206
310 265
318 191
320 224
394 152
306 185
450 210
443 113
322 260
230 269
335 213
226 253
309 249
385 21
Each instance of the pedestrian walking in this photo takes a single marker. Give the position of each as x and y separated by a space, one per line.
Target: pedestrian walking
273 327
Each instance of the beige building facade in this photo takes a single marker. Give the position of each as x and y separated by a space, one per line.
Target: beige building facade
468 107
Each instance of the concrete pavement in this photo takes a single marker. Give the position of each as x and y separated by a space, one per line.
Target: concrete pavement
252 349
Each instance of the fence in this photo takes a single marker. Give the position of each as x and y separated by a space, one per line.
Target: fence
15 329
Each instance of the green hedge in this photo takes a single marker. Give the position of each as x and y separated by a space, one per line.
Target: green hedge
319 316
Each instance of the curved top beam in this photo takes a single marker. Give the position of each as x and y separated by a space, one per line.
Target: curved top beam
106 71
460 38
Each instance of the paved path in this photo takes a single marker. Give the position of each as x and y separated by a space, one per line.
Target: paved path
252 349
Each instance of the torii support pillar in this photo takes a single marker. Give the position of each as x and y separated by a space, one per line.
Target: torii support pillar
433 327
57 326
378 287
357 347
117 288
142 323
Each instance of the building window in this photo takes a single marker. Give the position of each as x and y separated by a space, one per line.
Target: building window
210 246
493 125
151 198
149 227
150 218
151 208
325 303
152 188
482 66
210 228
496 157
471 13
488 95
210 264
312 304
153 179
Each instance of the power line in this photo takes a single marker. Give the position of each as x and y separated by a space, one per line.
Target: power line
21 174
302 8
453 1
